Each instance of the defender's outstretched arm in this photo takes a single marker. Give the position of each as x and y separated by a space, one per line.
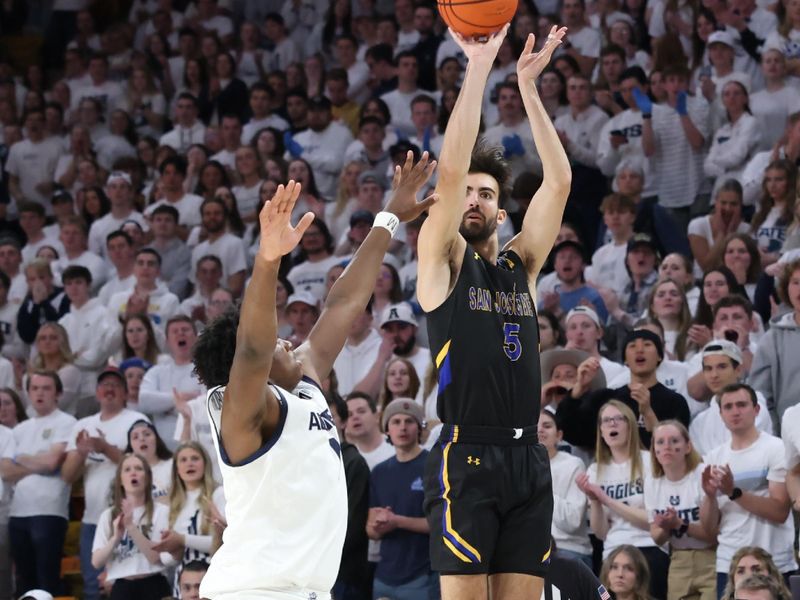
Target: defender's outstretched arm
250 409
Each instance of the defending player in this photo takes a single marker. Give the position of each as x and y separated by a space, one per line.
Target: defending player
488 489
277 444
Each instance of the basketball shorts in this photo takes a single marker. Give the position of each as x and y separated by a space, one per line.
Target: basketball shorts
489 505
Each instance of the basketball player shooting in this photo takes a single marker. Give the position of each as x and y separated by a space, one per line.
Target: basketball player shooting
488 493
275 437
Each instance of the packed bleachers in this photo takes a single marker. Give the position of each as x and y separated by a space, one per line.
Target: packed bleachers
139 141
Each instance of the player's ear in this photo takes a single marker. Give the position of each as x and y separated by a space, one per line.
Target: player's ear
501 215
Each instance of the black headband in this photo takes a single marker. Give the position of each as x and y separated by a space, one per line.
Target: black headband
646 334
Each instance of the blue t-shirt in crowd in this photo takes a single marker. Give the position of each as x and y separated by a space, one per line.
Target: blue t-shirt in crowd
404 554
569 300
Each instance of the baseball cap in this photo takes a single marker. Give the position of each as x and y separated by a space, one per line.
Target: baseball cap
112 372
371 177
403 406
398 313
550 359
721 37
361 216
584 310
304 298
723 348
36 595
319 103
119 176
642 239
61 195
134 362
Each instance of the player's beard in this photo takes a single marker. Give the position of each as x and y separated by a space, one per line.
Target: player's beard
476 233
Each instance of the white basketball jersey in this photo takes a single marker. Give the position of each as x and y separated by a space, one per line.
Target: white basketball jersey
286 504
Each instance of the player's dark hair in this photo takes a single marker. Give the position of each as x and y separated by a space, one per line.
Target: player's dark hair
214 349
489 159
193 566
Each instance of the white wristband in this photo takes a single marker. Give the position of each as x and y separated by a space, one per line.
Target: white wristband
388 221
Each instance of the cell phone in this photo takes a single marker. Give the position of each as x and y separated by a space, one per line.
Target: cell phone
731 335
705 71
618 132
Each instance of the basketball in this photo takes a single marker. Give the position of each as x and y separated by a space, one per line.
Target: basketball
475 18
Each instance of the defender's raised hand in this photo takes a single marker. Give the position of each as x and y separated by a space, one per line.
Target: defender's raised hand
481 50
531 64
408 180
278 237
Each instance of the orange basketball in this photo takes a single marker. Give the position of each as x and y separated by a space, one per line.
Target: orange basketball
474 18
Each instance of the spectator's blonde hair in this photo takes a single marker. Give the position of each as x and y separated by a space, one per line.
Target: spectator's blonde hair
64 349
177 493
40 266
692 459
602 455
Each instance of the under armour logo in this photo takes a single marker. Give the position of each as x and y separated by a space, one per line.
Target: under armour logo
471 460
517 433
477 256
312 596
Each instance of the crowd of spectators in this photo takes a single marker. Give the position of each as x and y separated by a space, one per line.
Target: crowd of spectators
138 142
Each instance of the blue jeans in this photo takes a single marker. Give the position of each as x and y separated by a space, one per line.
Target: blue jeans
584 558
36 547
424 587
91 587
722 581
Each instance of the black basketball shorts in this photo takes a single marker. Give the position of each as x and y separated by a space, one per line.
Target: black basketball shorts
489 508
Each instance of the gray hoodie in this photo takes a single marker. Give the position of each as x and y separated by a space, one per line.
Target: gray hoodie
776 365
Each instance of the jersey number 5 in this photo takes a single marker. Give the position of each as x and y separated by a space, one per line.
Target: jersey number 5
511 344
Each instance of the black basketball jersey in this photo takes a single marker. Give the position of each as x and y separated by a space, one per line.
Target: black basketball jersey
484 339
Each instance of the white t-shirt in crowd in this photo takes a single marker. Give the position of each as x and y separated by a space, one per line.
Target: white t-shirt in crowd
34 163
127 560
374 457
310 276
230 251
615 480
38 495
608 267
188 208
156 395
99 471
8 449
708 430
354 362
701 227
247 198
162 478
684 496
569 528
753 469
790 432
770 235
